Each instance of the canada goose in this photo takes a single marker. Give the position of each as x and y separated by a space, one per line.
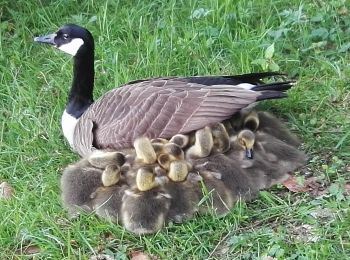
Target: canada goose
160 107
271 125
144 150
251 120
221 139
185 197
168 153
229 172
78 182
111 175
101 159
263 121
145 212
178 170
260 172
272 159
147 180
272 139
218 198
285 156
107 201
203 144
181 140
243 143
159 141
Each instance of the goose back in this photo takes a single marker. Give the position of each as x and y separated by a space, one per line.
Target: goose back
156 108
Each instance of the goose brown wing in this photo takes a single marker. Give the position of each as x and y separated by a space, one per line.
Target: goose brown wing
159 108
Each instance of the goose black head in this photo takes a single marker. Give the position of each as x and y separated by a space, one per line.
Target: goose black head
70 38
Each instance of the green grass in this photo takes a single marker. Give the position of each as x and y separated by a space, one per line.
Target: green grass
139 39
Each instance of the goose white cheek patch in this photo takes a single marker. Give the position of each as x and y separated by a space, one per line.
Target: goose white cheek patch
72 47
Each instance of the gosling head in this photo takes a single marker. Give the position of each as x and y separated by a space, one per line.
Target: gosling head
251 121
144 150
246 140
70 38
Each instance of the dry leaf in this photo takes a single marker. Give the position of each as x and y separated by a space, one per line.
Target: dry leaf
293 185
347 188
6 191
323 215
109 236
28 250
74 244
343 11
305 233
139 255
310 185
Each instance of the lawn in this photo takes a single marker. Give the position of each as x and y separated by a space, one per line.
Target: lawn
310 40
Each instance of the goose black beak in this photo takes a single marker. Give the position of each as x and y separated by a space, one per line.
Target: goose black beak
48 39
249 153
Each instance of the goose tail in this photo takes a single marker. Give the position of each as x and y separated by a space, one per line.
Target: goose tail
271 95
256 78
273 90
275 86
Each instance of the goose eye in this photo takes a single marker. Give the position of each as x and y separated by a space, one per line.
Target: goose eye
65 36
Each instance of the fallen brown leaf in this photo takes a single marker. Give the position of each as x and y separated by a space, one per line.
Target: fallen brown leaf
311 186
347 188
28 250
6 191
304 233
109 236
307 185
74 244
323 215
343 11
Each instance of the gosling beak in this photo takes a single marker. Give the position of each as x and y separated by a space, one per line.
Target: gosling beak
48 39
249 153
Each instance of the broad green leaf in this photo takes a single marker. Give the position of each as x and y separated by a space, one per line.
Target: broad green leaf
270 51
274 67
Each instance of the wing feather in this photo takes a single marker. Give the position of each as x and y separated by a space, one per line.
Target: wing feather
160 108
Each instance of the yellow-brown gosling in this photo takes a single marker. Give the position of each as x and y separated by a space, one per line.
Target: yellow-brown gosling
144 150
178 170
181 140
185 197
111 175
102 158
230 173
145 212
203 144
221 139
107 201
78 182
216 196
147 180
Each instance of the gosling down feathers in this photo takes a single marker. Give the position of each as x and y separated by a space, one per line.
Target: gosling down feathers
154 108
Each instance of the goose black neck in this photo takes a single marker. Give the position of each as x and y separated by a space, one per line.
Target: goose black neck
81 93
